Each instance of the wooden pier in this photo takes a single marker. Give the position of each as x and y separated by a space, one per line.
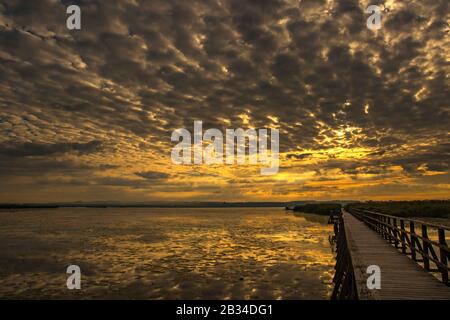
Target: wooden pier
413 266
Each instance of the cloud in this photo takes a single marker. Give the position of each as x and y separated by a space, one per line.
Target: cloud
299 156
153 175
345 98
41 149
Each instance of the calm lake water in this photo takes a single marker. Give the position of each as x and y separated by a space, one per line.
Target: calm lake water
223 253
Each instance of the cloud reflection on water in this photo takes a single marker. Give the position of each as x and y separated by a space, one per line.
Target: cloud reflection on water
248 253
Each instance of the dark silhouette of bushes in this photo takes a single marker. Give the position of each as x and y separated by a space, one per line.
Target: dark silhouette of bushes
426 208
319 208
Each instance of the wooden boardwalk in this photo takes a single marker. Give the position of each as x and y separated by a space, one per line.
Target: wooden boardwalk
401 277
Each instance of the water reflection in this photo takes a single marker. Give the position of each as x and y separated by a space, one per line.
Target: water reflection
220 253
321 219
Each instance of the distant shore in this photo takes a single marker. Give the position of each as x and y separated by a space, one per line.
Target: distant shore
424 208
165 204
146 205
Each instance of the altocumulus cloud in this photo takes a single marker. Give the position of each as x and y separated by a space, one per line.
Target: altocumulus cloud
42 149
346 100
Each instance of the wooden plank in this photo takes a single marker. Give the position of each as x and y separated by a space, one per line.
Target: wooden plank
401 277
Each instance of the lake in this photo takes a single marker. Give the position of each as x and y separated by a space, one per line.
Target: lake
141 253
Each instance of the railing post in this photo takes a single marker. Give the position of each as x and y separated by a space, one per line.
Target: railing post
413 240
390 230
386 229
426 260
402 236
388 221
443 255
395 232
381 226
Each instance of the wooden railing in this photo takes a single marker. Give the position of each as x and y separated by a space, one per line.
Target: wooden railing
424 242
344 277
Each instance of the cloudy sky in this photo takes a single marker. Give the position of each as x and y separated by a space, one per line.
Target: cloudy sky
88 115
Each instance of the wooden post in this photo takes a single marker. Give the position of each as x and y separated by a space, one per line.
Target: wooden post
443 255
382 226
389 229
402 235
395 232
413 240
426 260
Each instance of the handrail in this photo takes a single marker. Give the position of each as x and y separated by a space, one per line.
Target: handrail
437 244
344 280
411 243
436 261
434 225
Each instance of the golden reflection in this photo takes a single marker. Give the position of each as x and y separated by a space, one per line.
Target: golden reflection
247 253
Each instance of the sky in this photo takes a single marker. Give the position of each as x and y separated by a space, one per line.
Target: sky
87 115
